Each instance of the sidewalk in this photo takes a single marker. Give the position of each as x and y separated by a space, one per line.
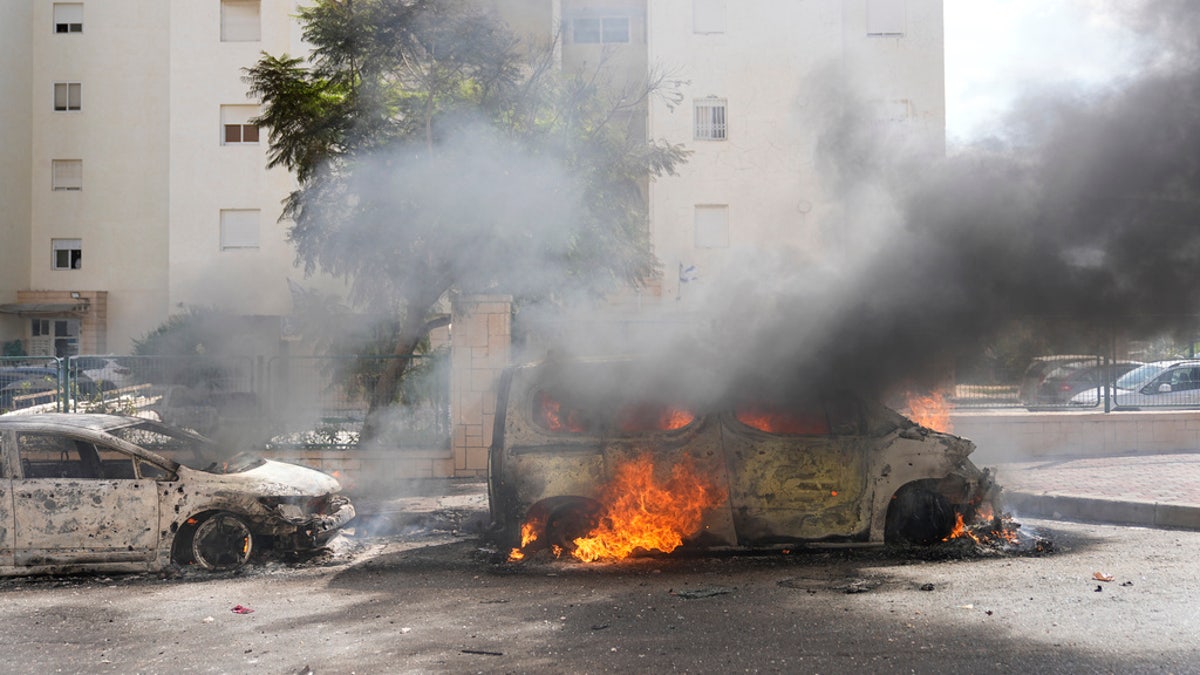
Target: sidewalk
1148 490
1145 490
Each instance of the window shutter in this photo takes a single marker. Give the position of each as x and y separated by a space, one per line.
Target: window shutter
712 226
239 228
239 20
885 17
708 16
66 174
68 17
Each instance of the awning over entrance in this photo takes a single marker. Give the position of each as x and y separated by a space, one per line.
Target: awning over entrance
45 308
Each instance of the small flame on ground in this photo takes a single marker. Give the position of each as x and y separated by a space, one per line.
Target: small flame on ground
529 534
986 529
932 411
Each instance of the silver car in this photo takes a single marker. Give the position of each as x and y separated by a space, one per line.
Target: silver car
112 493
1161 384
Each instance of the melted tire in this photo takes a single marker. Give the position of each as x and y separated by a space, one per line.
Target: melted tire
222 542
918 516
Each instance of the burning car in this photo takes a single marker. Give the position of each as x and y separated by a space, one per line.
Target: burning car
608 469
111 493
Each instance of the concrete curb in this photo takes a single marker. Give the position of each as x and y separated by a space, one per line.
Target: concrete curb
1093 510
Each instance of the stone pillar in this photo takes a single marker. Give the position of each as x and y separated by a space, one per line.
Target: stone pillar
480 345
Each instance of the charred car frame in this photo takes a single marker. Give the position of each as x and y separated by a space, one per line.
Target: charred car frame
833 469
83 492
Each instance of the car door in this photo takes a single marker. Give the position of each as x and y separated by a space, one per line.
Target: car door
797 472
1176 388
77 502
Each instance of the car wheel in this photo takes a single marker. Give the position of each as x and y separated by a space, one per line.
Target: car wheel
222 541
918 515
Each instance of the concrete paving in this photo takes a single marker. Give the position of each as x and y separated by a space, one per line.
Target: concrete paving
1159 490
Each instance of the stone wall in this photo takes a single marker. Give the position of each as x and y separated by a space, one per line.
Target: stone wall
480 348
1020 435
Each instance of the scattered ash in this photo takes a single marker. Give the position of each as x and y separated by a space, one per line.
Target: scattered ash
999 537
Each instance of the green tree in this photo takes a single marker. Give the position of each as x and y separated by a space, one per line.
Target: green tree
435 152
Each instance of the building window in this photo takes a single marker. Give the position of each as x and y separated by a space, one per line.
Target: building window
239 228
68 253
710 119
600 30
68 95
235 124
885 18
712 225
66 174
68 17
239 21
708 16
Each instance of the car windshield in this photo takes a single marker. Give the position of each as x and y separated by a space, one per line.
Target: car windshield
187 448
1138 376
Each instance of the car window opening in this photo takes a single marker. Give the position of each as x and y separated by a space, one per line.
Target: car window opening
773 419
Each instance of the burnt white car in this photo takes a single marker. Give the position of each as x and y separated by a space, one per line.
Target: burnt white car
81 492
833 469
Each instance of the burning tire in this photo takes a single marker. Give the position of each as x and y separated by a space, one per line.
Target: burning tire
222 541
918 515
556 522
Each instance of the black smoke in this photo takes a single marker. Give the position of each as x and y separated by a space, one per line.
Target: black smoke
1084 204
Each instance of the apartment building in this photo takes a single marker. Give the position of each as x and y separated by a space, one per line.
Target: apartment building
761 82
132 184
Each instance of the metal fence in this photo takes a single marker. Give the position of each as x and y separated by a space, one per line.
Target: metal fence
297 402
1053 364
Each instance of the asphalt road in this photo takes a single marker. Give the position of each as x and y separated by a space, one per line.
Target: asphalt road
438 603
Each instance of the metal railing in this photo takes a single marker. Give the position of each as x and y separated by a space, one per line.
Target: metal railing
322 401
292 402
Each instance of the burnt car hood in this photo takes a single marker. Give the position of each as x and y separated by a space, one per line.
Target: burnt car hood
275 479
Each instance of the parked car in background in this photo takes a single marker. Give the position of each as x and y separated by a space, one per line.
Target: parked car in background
1161 384
1041 367
106 371
1062 381
111 493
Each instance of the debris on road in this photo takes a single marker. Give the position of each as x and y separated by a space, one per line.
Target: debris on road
241 609
706 592
1102 576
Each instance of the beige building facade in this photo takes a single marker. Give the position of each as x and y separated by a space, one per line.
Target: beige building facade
130 169
759 82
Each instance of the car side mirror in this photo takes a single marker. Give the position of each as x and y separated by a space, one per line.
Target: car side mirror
1164 388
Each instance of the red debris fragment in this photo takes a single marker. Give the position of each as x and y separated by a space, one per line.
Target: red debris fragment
241 609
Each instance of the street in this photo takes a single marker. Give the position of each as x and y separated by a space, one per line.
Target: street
438 602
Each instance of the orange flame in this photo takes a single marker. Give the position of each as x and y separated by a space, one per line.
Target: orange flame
639 513
987 529
529 534
651 417
774 420
554 418
642 514
932 411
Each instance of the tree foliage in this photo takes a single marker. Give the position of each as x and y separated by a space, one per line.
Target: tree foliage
434 151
